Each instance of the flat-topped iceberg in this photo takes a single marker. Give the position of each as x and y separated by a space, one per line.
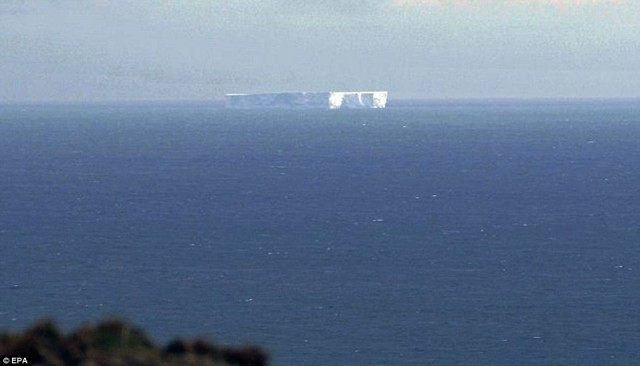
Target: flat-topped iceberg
305 100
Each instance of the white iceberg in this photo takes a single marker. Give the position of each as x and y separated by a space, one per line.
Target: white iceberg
306 100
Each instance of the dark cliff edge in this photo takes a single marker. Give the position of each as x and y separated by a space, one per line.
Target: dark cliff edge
116 342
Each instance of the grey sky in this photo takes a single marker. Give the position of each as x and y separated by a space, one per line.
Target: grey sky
152 49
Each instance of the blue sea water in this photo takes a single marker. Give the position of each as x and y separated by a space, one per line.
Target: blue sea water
503 233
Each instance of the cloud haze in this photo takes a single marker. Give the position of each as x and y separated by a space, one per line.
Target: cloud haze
557 3
152 49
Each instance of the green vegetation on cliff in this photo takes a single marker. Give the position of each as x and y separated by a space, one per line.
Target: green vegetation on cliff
115 342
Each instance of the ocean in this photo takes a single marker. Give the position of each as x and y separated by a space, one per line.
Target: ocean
429 233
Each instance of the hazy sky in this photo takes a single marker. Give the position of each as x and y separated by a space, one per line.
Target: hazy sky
200 49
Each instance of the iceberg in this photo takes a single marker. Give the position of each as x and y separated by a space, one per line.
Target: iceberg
308 100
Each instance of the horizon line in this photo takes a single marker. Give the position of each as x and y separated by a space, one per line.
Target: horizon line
391 100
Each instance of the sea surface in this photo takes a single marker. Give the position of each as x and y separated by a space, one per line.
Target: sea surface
457 233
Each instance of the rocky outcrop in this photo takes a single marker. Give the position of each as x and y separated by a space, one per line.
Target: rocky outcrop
117 343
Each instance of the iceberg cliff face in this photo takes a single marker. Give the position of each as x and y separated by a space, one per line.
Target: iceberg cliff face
305 100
